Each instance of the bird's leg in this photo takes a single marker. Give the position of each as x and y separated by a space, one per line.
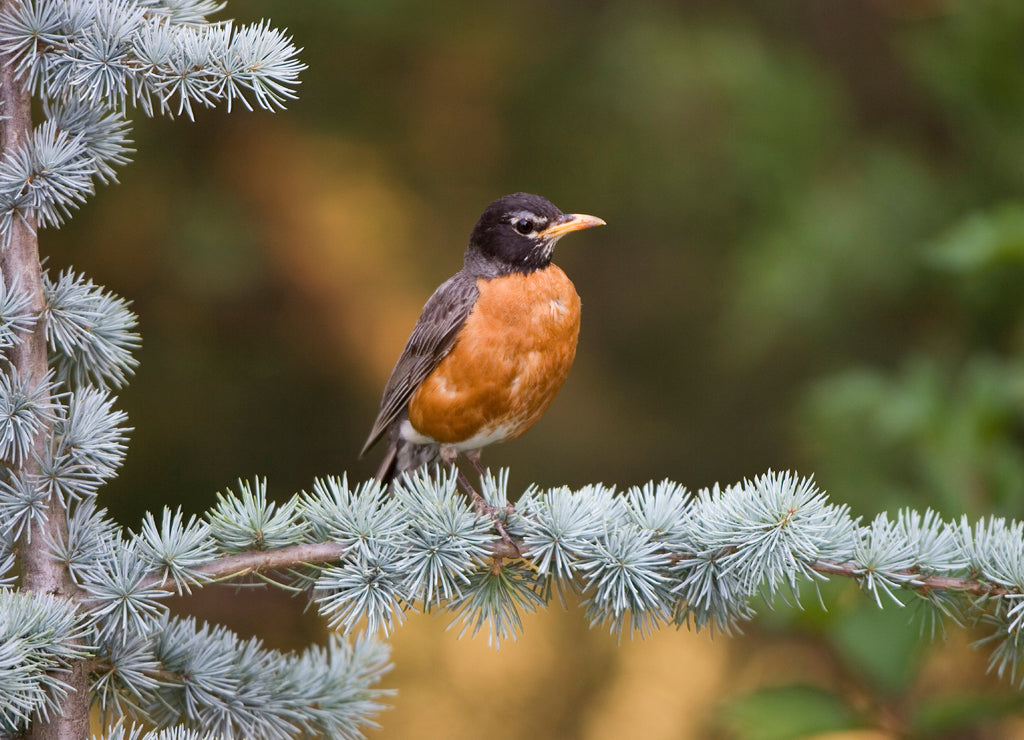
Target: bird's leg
448 456
482 507
478 501
474 459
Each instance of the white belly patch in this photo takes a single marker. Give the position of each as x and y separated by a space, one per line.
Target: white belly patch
481 439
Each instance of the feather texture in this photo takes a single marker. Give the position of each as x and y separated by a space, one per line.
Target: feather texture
432 339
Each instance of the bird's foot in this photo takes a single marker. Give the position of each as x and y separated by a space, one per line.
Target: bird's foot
503 533
483 508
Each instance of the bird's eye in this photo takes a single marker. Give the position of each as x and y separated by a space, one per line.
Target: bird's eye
523 226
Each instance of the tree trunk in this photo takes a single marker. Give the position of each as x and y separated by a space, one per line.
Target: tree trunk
20 264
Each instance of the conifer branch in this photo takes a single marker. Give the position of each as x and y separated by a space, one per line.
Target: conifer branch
66 341
22 272
19 261
259 561
917 581
236 565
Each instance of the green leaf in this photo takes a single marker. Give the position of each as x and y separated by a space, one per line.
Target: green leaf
881 645
983 240
786 713
941 714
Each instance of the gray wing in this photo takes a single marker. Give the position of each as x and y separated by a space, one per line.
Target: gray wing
432 339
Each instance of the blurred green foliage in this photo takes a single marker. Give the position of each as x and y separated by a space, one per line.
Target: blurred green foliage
786 713
815 258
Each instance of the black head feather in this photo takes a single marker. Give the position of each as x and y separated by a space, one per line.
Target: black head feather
509 237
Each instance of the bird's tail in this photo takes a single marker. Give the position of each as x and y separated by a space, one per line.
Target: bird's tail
403 456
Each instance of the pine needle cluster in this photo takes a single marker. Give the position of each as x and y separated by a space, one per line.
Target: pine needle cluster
638 560
89 61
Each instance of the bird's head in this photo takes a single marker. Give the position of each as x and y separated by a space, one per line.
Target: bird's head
518 233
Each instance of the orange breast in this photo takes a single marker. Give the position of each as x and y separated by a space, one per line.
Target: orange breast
511 357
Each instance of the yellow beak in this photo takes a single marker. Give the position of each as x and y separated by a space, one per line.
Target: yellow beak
570 222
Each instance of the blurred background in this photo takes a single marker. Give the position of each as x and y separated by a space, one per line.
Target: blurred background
814 260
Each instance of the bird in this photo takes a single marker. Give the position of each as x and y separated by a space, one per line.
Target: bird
492 346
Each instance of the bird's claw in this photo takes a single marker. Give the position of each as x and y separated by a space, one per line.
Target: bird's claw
483 508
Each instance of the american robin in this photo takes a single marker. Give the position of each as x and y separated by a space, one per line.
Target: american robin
493 345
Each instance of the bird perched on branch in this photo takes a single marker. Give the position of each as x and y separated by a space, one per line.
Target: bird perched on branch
493 345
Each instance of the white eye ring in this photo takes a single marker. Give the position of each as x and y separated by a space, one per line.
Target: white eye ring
524 226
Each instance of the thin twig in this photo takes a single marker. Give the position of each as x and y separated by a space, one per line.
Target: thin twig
259 561
915 580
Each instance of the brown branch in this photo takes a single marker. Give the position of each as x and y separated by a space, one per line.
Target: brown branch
511 550
917 581
258 561
22 271
19 262
909 578
312 553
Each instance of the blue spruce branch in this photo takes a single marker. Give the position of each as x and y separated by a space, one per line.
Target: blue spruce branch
650 557
65 339
88 623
